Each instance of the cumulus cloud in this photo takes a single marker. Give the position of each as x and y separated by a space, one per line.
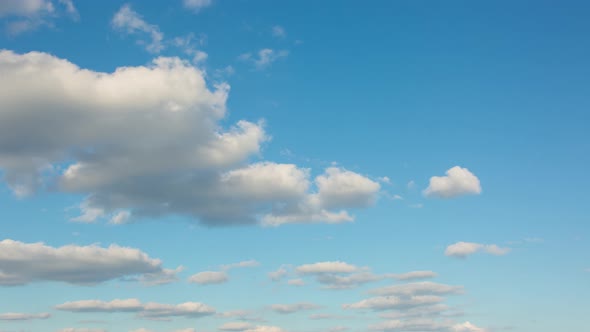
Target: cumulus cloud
457 182
23 263
146 141
242 264
146 310
464 249
197 5
23 316
293 308
263 58
209 277
339 275
128 21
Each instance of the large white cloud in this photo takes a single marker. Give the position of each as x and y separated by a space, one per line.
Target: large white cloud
146 141
23 263
148 310
457 182
464 249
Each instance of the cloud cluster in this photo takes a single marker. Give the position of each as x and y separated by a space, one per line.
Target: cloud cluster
144 310
197 5
146 141
457 182
464 249
416 306
23 263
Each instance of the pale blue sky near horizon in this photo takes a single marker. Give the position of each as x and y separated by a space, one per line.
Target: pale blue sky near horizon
385 94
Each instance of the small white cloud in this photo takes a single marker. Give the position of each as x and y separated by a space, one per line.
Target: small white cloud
327 267
278 274
264 58
292 308
414 275
394 302
242 264
278 31
197 5
23 316
466 327
265 328
384 179
209 277
128 21
296 282
457 182
235 326
464 249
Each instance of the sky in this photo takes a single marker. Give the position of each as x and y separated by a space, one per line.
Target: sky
294 166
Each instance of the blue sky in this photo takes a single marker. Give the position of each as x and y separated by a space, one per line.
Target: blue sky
300 166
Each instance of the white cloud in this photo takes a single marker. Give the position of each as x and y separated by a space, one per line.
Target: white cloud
23 263
242 264
296 282
278 31
342 188
422 325
128 21
235 326
264 328
466 327
418 288
27 15
264 58
327 267
76 131
23 316
209 277
278 274
414 275
147 310
457 182
394 302
334 281
293 308
197 5
25 7
464 249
